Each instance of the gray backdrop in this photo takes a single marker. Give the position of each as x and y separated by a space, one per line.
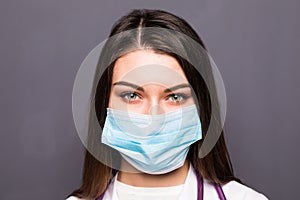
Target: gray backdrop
254 43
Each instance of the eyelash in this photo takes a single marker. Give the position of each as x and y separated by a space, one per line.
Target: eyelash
180 95
126 96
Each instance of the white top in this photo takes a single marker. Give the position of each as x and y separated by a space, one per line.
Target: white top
232 190
126 192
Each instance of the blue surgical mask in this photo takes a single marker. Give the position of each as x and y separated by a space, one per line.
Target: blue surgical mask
153 144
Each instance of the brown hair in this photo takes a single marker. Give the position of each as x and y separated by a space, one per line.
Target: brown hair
216 165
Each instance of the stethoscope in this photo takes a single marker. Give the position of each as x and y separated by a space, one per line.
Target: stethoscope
200 189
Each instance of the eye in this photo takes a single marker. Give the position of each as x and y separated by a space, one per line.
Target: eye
177 98
130 96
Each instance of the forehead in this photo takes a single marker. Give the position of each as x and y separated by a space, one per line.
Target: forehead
144 64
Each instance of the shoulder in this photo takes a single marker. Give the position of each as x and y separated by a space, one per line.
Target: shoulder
235 190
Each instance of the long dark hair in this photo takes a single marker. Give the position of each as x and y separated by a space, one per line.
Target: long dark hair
216 165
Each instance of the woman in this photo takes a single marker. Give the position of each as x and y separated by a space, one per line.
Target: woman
155 100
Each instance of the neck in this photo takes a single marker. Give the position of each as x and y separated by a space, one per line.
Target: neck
175 177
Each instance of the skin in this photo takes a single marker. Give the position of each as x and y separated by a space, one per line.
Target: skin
142 82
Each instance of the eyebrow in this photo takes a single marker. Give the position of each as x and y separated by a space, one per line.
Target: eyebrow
183 85
130 85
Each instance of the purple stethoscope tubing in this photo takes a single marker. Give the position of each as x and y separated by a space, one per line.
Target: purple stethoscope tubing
200 189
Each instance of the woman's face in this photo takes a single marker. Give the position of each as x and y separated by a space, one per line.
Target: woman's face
149 83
